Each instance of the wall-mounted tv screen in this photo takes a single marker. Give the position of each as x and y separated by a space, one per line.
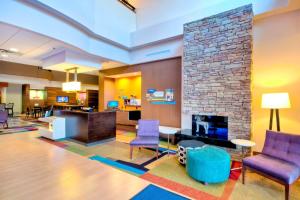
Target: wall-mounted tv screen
112 104
62 99
210 126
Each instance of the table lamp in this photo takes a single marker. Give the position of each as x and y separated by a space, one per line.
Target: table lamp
275 101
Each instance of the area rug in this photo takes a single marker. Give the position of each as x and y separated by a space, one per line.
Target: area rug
17 125
165 171
153 192
18 129
35 121
169 173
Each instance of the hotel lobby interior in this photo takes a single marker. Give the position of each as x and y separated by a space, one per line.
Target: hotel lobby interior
150 99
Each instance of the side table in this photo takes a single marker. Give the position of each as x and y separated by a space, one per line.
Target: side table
244 144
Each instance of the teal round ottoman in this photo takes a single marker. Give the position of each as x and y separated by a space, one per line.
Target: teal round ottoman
208 164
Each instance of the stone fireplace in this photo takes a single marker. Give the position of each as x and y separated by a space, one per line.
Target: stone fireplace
217 63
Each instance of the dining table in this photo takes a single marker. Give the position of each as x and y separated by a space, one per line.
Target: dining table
37 111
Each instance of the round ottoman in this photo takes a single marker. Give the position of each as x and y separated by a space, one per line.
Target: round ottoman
208 164
184 145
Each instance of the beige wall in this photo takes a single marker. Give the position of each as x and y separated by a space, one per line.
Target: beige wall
14 95
110 90
276 68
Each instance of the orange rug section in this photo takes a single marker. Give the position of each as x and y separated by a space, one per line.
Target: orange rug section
179 188
189 191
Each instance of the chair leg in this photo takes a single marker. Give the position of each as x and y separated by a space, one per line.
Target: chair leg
131 150
156 152
6 124
244 174
287 192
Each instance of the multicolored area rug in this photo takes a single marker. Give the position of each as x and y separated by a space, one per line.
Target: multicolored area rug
165 171
17 130
16 125
34 121
154 192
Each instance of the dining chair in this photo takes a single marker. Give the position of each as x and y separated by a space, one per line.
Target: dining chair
2 106
10 109
4 118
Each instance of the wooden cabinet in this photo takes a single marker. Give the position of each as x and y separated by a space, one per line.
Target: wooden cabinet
92 98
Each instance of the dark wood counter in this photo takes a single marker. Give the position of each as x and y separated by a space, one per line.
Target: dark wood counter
89 127
127 120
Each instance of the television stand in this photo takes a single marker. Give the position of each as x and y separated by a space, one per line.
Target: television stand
187 134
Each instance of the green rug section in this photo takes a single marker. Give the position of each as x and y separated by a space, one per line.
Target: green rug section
170 169
114 150
77 150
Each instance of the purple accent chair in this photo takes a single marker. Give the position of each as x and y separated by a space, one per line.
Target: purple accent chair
147 135
3 118
279 160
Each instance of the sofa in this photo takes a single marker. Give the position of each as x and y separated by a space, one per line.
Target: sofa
279 160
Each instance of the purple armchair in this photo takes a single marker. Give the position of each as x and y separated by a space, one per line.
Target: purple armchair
279 160
3 118
147 135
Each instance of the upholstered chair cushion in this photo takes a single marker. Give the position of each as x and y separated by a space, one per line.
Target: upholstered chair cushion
277 168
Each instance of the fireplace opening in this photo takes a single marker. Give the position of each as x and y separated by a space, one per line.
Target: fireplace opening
210 126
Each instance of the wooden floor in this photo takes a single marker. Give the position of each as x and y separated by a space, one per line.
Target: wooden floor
33 169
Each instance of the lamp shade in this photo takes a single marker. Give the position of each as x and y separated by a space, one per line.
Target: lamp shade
71 86
275 100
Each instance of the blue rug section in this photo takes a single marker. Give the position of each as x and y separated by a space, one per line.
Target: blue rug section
117 165
152 192
161 149
141 167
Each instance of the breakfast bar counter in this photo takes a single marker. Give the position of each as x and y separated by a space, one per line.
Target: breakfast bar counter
89 127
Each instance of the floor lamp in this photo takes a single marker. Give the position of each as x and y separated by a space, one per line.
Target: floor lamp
275 101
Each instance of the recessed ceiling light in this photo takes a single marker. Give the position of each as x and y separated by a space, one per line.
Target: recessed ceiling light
14 50
4 55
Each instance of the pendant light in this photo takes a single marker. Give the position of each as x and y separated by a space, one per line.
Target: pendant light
71 86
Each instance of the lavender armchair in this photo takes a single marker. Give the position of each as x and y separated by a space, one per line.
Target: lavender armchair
3 118
147 135
279 161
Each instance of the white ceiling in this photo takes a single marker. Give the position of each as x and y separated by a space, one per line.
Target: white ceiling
33 47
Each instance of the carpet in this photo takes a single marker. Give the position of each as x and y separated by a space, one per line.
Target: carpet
152 192
165 171
168 173
35 121
17 125
17 130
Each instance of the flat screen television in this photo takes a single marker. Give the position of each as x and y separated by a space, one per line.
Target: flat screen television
112 104
62 99
210 126
135 115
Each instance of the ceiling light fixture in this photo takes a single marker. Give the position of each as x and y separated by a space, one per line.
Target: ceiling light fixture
14 50
71 86
6 52
3 55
